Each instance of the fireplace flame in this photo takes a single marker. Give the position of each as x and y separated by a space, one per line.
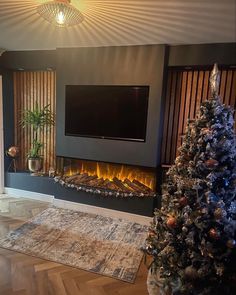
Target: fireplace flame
111 171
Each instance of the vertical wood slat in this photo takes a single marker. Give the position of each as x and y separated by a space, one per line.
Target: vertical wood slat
31 88
223 78
180 121
228 86
176 114
206 88
183 102
199 91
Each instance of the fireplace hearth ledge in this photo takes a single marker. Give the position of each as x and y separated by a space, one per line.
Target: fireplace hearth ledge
45 185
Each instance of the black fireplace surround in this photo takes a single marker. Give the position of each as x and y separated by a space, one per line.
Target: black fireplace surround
46 185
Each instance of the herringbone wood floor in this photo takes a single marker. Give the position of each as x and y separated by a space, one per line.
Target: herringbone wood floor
26 275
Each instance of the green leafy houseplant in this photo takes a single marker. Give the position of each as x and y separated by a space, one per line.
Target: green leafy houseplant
37 119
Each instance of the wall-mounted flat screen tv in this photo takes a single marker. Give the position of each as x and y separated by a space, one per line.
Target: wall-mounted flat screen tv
111 112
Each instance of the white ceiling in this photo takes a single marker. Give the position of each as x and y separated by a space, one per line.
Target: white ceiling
120 22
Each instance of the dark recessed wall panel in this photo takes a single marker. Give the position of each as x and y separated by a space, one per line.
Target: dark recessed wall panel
202 54
29 60
8 112
131 65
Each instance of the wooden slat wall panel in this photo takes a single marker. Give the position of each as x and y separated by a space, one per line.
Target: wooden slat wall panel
177 109
31 87
186 89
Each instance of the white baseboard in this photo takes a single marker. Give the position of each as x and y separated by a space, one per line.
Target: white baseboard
102 211
17 193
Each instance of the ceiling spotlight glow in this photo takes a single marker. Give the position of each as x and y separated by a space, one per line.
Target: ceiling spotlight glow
60 13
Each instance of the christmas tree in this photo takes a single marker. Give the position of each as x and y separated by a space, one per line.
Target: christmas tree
192 238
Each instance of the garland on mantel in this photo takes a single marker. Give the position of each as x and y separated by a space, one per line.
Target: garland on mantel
103 192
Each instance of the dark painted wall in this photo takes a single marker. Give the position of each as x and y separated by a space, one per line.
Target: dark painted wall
131 65
8 112
29 60
202 54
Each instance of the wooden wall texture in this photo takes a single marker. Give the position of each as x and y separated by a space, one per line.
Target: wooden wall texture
31 87
186 89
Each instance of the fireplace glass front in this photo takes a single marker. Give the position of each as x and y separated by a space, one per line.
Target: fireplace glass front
106 178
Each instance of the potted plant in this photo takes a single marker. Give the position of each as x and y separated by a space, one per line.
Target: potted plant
36 119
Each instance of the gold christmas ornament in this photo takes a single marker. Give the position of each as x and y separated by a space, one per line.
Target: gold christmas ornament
171 222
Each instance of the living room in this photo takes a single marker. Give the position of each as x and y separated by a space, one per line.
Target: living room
176 80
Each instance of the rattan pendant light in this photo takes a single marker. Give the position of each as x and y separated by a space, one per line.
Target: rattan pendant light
60 13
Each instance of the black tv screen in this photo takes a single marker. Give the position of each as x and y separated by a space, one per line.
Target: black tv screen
111 112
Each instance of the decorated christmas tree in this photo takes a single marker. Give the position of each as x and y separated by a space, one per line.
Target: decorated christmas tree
192 238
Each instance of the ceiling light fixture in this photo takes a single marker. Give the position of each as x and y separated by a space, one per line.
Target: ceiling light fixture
60 13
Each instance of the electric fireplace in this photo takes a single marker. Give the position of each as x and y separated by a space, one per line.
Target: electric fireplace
109 179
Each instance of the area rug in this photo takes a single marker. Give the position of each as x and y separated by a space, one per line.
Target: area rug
104 245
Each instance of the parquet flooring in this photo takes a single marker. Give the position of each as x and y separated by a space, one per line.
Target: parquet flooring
26 275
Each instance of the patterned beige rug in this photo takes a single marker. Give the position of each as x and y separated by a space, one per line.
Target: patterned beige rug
107 246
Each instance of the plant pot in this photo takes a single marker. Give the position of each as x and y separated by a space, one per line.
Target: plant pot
35 165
